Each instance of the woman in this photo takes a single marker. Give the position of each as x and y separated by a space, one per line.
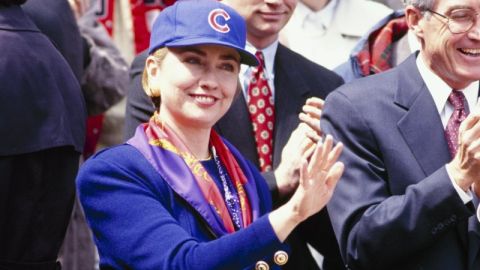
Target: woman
177 196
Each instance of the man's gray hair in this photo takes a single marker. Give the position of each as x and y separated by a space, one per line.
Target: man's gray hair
421 4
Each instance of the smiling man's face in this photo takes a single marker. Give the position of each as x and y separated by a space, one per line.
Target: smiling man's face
453 57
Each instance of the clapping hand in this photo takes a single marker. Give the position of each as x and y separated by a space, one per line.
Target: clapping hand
302 140
465 166
311 113
300 145
319 174
318 178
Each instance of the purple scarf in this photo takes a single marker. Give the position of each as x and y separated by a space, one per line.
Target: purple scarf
168 155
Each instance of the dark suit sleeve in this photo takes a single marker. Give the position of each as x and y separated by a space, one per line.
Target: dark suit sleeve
139 106
375 229
272 186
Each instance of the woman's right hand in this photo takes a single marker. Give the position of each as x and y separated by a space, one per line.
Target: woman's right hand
318 178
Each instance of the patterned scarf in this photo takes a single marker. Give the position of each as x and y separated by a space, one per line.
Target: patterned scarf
185 174
375 57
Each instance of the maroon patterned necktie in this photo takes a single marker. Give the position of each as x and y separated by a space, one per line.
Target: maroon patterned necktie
460 112
262 113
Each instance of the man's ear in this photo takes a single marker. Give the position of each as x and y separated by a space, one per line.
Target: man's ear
414 18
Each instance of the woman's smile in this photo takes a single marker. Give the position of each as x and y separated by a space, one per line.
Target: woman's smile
204 99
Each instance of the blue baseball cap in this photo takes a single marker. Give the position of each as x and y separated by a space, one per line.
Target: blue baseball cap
200 22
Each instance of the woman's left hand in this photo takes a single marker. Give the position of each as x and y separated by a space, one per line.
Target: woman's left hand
319 175
318 178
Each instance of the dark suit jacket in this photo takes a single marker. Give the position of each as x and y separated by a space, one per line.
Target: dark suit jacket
296 79
56 20
395 206
42 103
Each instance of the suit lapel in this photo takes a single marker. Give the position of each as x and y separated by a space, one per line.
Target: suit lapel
290 94
421 126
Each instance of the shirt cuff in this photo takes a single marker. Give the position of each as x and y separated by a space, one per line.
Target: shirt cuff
466 197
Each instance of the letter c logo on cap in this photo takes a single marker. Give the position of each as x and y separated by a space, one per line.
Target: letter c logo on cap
212 20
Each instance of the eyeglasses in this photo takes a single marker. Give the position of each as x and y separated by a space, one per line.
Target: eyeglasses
460 20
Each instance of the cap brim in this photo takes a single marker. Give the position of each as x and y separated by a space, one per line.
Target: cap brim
245 57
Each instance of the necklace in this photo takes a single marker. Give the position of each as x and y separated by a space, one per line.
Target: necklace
231 199
207 158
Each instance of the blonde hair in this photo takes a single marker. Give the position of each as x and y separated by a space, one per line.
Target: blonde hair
159 54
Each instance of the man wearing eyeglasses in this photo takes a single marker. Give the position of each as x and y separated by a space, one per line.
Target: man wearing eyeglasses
409 197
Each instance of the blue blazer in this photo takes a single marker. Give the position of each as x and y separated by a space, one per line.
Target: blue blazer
139 222
395 206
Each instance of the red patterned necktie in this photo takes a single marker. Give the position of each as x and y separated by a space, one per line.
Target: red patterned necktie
262 113
460 112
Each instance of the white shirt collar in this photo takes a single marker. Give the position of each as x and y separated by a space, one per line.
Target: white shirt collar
440 91
269 57
303 15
